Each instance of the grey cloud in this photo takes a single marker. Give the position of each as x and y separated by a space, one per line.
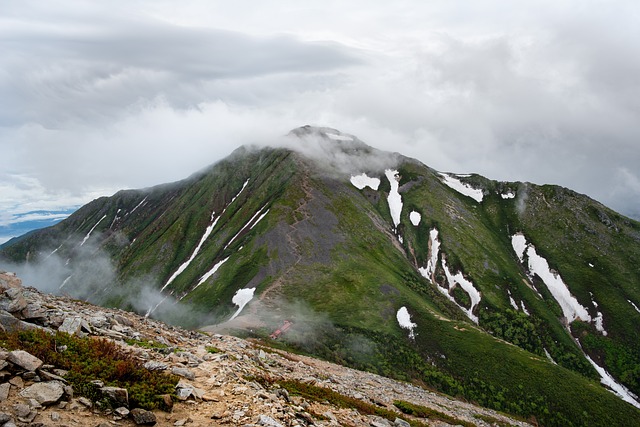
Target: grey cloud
55 76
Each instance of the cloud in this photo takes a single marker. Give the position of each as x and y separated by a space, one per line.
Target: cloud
102 97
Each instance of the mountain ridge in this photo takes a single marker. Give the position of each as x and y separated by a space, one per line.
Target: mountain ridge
306 236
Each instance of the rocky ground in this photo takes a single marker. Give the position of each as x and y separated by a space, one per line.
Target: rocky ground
216 387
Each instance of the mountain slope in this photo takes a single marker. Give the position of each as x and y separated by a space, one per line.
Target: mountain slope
492 291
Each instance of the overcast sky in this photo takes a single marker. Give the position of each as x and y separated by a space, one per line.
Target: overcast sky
101 96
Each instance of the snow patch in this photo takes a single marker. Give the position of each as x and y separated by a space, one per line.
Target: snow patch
415 218
519 243
462 188
210 272
404 320
394 198
249 223
616 388
634 306
571 308
236 196
434 249
138 205
64 282
549 356
509 195
361 181
524 309
337 137
513 302
91 231
599 323
241 298
467 286
591 265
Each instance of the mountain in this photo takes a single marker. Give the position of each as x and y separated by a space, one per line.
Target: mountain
196 373
518 297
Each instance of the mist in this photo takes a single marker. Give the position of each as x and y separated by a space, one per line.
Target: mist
91 276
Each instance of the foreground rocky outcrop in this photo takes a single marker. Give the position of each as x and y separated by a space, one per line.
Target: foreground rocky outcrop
220 376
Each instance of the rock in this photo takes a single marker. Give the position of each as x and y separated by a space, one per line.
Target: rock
24 360
4 391
118 395
184 372
24 413
142 417
376 421
122 320
265 420
181 422
5 418
17 382
13 301
48 376
122 411
9 323
153 365
33 312
85 402
98 321
399 422
71 325
167 400
46 393
55 416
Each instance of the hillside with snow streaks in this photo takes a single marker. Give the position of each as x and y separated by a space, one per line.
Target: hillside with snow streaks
210 273
429 271
250 224
205 236
466 285
462 188
91 231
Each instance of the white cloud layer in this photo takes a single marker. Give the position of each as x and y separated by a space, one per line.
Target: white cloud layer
99 96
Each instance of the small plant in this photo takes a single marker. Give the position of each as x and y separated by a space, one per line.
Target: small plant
429 413
213 350
321 394
88 359
146 343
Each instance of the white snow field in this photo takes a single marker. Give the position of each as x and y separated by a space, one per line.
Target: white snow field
404 320
394 198
241 298
571 308
361 181
415 218
462 188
